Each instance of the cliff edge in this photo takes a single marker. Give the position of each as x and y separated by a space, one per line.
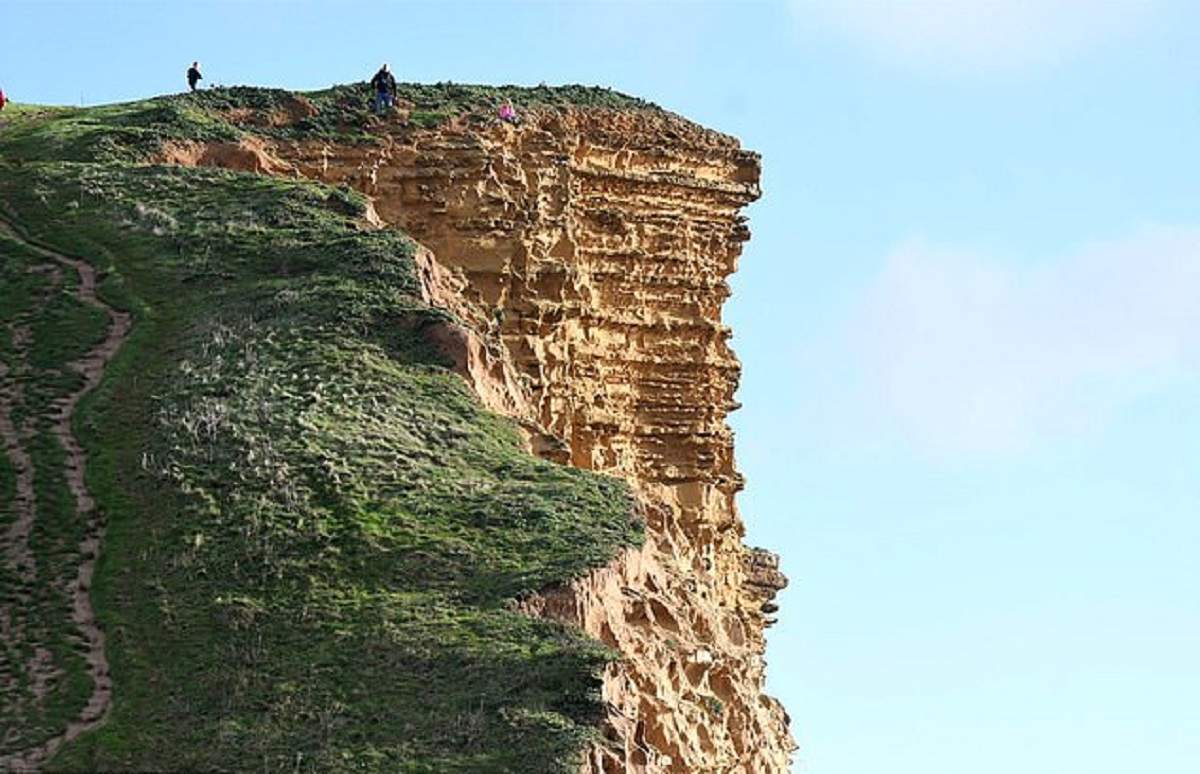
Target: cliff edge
580 259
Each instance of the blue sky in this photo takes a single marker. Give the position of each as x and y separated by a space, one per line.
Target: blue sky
968 319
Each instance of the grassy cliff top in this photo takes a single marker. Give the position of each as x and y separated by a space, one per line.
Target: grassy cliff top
131 130
315 533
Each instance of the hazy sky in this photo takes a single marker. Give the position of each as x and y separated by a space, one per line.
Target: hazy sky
969 318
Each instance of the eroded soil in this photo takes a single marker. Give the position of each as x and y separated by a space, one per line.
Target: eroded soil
33 666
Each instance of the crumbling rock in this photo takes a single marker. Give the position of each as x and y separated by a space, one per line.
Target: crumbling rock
586 253
249 154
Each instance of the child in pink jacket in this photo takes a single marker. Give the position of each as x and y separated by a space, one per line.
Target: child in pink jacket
508 113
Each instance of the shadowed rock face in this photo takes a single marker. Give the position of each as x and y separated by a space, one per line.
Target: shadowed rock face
593 247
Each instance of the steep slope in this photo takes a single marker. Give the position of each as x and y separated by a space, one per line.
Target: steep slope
73 577
313 533
586 251
596 243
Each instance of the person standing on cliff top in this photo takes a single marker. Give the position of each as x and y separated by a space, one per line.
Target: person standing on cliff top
385 89
3 99
193 75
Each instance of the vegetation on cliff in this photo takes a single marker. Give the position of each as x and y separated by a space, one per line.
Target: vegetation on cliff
314 532
132 131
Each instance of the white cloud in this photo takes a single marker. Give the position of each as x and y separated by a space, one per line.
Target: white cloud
976 34
965 353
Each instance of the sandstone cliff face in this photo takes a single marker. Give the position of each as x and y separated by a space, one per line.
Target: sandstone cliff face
592 247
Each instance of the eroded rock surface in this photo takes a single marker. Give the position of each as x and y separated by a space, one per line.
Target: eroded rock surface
593 247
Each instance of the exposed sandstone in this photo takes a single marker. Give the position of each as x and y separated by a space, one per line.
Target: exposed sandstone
592 249
247 155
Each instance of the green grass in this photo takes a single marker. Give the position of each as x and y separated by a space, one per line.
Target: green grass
345 107
134 131
62 329
123 132
315 533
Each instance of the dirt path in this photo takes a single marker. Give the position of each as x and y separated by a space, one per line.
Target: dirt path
91 368
16 539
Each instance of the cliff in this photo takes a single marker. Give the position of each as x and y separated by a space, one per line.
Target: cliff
596 243
583 256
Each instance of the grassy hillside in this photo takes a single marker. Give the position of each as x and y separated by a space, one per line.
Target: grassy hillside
132 130
314 531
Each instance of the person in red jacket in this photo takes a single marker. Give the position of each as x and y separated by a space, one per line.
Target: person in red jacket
3 99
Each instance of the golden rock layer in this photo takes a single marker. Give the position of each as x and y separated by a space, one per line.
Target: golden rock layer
592 248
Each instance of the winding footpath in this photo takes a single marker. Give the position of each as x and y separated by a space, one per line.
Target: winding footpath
16 539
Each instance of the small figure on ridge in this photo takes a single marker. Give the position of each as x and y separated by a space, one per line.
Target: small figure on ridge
385 89
508 113
3 99
193 75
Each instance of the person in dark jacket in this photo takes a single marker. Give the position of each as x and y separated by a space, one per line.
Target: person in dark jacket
193 75
385 89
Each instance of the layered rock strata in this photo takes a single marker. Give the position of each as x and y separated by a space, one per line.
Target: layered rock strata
593 248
